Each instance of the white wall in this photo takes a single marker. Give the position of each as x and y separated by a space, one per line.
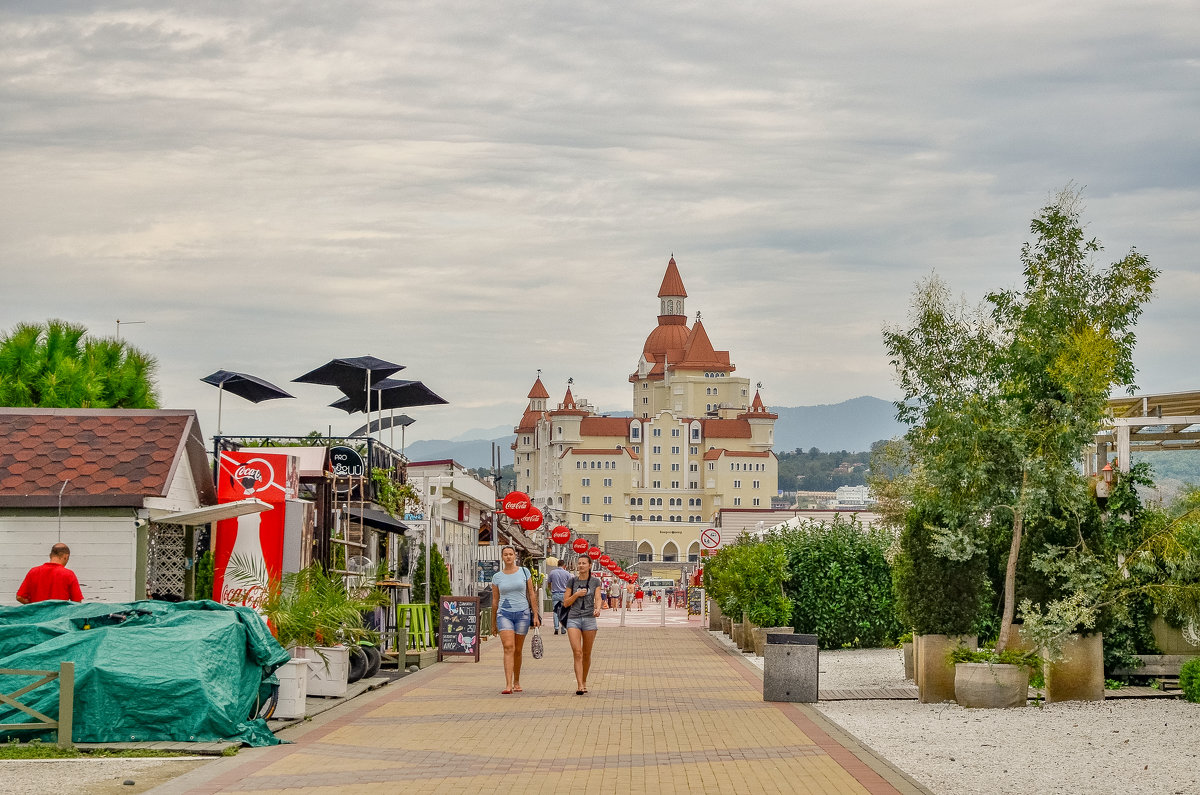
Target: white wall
103 553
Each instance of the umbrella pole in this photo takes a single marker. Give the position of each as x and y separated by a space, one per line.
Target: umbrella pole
392 429
220 394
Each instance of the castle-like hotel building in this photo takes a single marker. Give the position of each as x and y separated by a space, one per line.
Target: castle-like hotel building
697 443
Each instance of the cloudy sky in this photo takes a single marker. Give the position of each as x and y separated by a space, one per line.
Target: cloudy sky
479 190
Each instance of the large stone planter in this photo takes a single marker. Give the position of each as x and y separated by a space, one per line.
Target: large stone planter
1171 640
747 644
935 672
1078 675
759 637
737 634
727 625
328 669
991 685
906 651
714 615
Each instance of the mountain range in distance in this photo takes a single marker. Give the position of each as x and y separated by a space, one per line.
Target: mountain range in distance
852 425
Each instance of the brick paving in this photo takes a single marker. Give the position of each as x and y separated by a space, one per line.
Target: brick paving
670 711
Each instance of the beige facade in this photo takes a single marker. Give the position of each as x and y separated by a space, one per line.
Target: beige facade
698 442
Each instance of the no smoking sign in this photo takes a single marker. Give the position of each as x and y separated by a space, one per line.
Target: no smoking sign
710 538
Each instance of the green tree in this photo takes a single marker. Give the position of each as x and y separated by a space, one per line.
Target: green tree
1003 398
439 577
56 365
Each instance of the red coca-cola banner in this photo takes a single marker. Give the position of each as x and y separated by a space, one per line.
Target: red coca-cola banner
248 554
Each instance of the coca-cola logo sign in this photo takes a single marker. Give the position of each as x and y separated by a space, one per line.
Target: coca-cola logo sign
252 477
516 504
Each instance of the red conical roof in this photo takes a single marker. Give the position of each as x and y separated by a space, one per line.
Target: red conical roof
672 284
698 353
568 400
539 390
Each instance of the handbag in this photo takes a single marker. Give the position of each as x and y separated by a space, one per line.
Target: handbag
535 645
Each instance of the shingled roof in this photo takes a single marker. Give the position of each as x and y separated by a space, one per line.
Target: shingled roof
111 457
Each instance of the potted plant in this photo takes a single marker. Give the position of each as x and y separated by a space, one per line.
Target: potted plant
940 598
985 678
315 615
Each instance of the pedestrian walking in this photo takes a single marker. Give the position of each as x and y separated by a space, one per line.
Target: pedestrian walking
583 595
52 580
558 587
514 608
638 595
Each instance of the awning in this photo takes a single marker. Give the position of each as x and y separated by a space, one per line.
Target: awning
213 513
380 520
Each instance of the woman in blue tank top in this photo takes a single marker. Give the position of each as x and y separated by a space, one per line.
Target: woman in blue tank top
514 608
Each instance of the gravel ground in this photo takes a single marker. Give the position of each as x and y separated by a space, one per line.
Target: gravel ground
93 776
1125 746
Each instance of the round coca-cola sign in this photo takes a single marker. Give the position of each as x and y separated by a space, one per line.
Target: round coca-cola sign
560 534
580 545
605 560
516 504
531 520
594 553
253 476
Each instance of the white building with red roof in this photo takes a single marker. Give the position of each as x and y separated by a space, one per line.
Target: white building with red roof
698 442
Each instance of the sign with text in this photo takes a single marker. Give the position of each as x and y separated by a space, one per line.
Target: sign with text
695 601
487 568
458 627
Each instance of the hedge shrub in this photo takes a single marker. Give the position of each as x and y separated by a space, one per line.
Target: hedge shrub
1189 680
935 595
840 583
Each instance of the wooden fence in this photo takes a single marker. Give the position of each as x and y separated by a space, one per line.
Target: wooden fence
66 701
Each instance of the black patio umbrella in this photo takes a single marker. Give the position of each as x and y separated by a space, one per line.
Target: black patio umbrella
374 426
390 393
250 387
351 375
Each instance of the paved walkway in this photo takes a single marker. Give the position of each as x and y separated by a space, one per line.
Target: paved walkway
670 711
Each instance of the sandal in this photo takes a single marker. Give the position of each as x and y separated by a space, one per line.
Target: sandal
580 692
506 692
518 689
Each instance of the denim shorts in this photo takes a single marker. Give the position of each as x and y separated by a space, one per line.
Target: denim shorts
517 621
587 623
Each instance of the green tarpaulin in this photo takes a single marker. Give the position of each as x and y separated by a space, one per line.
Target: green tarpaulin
144 671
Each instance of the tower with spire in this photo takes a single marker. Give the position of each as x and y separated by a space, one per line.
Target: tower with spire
699 441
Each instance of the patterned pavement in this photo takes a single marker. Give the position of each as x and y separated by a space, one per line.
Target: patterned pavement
670 711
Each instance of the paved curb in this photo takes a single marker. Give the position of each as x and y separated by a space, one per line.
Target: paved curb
872 770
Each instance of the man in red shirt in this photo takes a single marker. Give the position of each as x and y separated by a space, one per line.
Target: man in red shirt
51 580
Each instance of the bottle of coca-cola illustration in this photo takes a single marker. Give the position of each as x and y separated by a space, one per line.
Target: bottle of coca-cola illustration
246 578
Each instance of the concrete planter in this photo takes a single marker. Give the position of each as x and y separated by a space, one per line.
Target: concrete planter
935 672
328 669
1171 640
737 634
727 625
759 637
293 688
714 615
747 643
1078 675
906 651
991 685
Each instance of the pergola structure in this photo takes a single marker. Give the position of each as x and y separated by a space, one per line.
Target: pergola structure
1140 423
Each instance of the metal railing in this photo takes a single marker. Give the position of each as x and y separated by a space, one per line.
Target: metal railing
66 701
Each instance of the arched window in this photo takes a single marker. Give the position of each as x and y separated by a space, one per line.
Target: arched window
694 552
670 552
645 551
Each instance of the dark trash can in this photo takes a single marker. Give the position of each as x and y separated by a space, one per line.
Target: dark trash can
790 668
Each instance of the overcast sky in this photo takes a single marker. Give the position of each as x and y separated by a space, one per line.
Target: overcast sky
479 190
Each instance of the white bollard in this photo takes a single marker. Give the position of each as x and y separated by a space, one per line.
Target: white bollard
662 613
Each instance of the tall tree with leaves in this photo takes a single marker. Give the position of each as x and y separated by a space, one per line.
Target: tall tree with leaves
1002 399
57 365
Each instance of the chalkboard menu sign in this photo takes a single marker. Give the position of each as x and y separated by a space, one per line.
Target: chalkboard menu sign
458 627
695 601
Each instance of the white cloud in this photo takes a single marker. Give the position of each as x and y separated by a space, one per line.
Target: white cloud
478 191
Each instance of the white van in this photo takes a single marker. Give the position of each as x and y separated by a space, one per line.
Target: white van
652 585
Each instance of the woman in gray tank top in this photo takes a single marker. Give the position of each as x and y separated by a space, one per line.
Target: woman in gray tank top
583 599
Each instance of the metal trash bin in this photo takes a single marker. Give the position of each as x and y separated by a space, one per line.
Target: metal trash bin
790 668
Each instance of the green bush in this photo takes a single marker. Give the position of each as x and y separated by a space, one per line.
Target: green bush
840 583
936 595
439 578
1189 680
747 577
